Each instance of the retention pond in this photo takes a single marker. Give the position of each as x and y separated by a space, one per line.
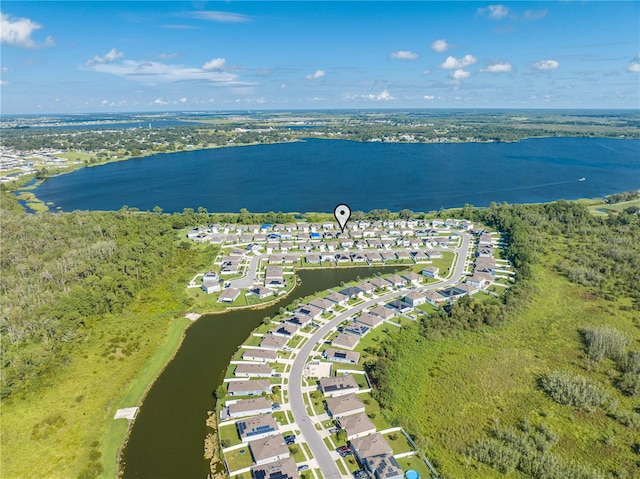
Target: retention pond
167 439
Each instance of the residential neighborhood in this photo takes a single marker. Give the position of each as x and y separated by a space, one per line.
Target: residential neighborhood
296 398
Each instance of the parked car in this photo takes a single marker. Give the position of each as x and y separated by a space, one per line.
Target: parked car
304 467
343 449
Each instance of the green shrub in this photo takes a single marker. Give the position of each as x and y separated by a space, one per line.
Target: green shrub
573 389
604 343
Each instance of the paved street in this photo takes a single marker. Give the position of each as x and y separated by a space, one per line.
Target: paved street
311 435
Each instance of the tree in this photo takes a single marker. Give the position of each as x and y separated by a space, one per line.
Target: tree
221 392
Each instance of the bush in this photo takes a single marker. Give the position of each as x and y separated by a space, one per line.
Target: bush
630 384
573 389
604 343
627 418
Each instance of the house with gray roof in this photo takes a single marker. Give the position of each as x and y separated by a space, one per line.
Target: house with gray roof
337 298
257 427
248 370
269 341
369 320
298 320
281 469
210 287
269 449
370 445
347 341
229 295
341 356
413 277
340 406
415 298
378 284
352 292
249 407
435 298
383 466
308 310
366 288
284 330
338 385
356 425
383 312
323 304
261 292
259 354
397 281
431 271
249 387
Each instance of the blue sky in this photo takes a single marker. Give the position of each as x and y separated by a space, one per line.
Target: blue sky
156 56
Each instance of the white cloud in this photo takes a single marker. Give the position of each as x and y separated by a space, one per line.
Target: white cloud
429 97
426 71
215 64
111 56
404 55
17 32
452 63
153 72
546 65
499 67
535 14
183 100
460 74
440 46
218 16
4 82
385 96
283 86
634 68
160 101
496 12
314 76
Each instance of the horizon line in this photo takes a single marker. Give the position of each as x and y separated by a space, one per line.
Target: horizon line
263 110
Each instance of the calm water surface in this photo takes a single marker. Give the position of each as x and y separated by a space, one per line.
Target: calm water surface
315 175
167 440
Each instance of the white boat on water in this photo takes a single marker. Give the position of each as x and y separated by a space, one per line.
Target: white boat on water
582 179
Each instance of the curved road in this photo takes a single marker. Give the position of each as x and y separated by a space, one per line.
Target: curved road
311 435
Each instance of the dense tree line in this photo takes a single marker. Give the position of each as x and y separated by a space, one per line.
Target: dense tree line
607 247
62 272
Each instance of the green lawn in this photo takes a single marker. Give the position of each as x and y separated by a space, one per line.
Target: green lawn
415 463
229 433
239 459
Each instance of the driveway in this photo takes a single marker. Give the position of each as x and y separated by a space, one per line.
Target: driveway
311 435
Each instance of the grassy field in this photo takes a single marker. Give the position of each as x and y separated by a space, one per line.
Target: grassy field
472 381
72 418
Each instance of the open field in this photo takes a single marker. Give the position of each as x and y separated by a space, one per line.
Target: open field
471 381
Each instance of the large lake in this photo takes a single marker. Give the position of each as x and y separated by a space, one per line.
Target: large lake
315 175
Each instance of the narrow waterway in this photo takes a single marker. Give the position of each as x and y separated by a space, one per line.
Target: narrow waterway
167 440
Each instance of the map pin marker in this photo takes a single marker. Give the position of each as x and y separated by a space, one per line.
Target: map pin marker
342 214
